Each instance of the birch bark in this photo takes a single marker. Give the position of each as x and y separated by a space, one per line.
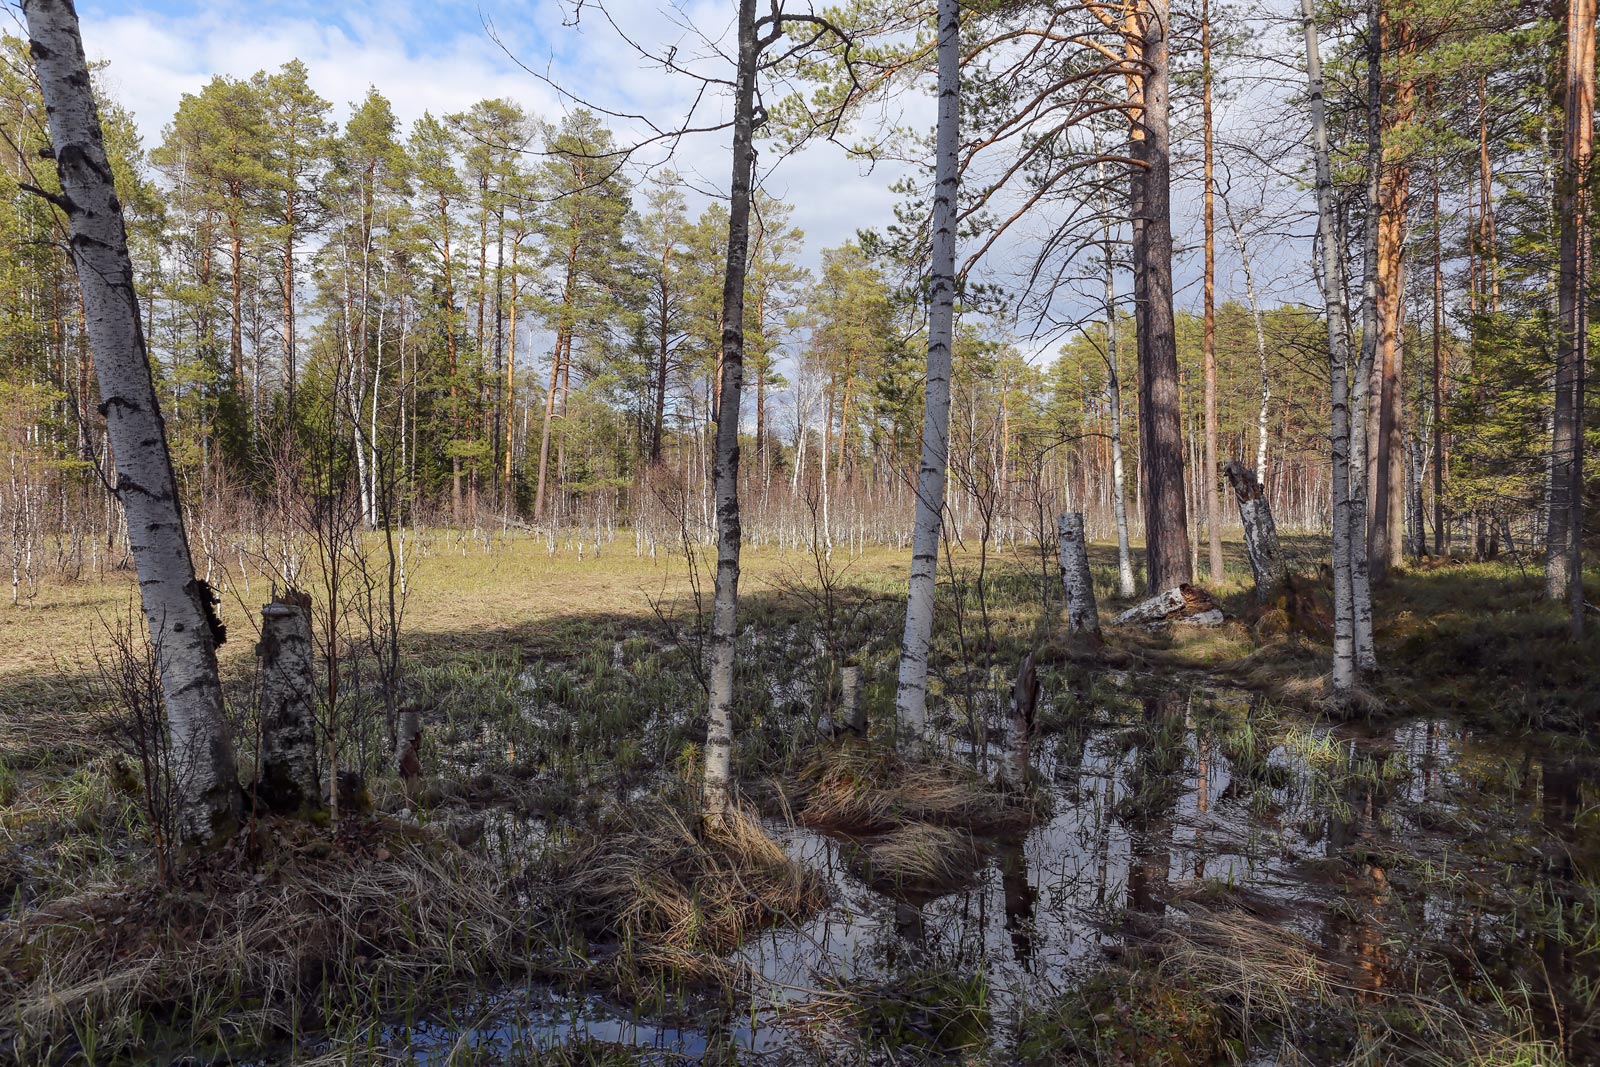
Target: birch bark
911 688
177 607
1345 522
718 787
1083 617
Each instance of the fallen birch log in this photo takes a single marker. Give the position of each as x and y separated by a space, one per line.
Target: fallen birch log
1182 603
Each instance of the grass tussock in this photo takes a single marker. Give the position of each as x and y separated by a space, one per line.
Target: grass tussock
934 1010
922 859
860 789
670 888
255 943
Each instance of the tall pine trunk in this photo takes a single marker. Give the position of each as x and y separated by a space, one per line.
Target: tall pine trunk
1563 570
1166 518
177 607
911 689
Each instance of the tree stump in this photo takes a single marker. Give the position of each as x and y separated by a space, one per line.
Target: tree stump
288 705
1019 733
1083 617
408 745
852 715
1260 532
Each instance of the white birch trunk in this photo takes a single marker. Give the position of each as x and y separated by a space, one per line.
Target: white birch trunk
288 706
1261 343
176 606
718 786
1119 483
1083 617
852 716
1345 518
1260 532
911 688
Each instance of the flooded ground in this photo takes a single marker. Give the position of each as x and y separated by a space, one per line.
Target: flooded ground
1414 858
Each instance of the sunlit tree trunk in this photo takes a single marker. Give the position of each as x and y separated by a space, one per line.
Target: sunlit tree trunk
1213 499
718 788
1160 423
1441 532
1260 531
911 689
1564 531
1083 616
177 607
1264 411
1344 522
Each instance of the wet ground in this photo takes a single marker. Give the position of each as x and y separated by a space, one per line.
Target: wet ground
1410 856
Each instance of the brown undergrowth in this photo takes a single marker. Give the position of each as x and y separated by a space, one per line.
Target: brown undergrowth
675 892
271 933
918 826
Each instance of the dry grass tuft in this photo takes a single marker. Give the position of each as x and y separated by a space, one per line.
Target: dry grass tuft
1251 963
934 1011
666 886
242 948
860 789
921 859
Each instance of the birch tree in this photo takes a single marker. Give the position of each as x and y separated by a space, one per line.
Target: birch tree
724 634
178 608
1345 520
911 688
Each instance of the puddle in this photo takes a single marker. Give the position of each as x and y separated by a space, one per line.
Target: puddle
1155 800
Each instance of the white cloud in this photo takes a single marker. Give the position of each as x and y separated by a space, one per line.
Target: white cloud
440 58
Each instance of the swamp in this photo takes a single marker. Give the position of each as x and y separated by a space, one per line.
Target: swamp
606 533
1205 865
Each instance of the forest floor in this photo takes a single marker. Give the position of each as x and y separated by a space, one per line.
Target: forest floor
1210 865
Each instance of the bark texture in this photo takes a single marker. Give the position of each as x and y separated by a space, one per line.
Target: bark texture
1020 727
1179 602
718 790
1166 518
1083 617
288 705
1260 532
852 715
911 686
1563 569
178 608
1213 497
1347 520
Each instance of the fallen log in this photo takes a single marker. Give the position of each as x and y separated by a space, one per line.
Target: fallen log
1185 603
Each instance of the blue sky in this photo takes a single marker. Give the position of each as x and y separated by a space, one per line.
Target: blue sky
438 56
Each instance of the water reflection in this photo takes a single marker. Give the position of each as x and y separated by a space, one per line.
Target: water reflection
1152 798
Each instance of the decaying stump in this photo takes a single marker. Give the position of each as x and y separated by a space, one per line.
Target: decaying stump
1260 532
1019 732
852 714
288 705
1083 617
408 745
1186 604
